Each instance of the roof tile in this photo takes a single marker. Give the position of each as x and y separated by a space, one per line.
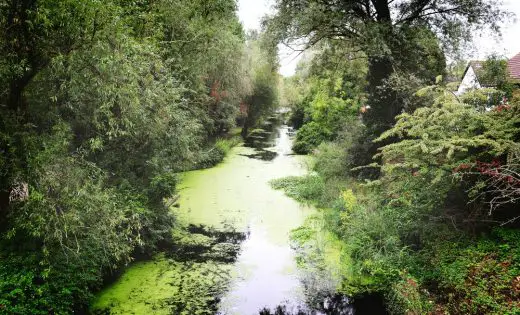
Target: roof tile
513 66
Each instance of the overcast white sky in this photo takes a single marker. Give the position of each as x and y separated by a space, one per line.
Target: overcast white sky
252 11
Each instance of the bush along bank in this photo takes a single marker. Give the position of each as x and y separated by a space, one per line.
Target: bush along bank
438 231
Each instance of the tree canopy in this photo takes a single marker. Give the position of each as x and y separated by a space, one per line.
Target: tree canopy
396 36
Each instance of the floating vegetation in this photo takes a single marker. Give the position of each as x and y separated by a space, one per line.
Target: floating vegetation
164 286
190 279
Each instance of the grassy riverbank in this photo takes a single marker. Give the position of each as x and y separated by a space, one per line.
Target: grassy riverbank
218 150
424 200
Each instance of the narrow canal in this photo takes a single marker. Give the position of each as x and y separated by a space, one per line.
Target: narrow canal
234 255
238 194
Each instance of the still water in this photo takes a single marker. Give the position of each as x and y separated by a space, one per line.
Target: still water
237 256
238 193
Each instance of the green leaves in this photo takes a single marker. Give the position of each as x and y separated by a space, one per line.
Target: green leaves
444 135
104 102
330 95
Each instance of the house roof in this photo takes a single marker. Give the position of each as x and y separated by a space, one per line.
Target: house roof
513 66
478 66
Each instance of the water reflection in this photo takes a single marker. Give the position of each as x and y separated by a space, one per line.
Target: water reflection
331 305
269 141
264 155
335 305
202 244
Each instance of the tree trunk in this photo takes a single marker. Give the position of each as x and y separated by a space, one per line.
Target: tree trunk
382 101
245 128
382 11
15 99
4 205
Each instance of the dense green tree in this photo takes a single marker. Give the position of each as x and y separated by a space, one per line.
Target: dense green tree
33 32
204 44
263 64
495 73
402 36
327 94
102 103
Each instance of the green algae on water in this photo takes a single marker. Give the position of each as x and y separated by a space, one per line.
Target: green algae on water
219 208
164 286
190 280
319 258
